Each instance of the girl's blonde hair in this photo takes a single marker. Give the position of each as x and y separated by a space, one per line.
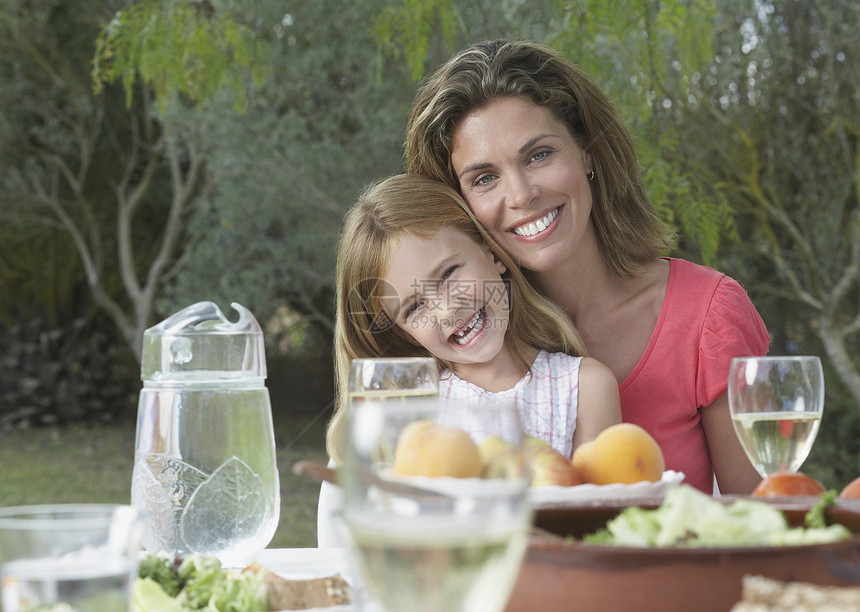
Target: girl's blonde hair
629 231
385 213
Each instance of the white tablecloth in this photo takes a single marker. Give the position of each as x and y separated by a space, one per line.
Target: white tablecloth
304 562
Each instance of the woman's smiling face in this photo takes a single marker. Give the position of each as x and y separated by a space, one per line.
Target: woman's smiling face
525 178
448 296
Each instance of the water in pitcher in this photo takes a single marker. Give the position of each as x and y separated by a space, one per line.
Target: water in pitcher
205 463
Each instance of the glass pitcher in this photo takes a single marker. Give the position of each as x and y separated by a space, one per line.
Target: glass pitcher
205 468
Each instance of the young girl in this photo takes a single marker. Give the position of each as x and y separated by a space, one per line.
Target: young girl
416 276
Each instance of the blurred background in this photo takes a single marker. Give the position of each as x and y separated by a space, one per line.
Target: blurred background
157 153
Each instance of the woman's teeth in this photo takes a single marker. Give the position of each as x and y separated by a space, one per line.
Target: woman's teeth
470 329
530 229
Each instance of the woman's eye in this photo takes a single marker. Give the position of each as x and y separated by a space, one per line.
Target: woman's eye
449 271
540 155
482 180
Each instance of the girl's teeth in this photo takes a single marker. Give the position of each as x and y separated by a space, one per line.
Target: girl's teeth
468 331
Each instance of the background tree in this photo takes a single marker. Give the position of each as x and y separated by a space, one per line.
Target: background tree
59 147
782 93
774 120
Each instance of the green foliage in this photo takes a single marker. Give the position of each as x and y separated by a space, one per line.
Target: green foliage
51 374
177 46
54 148
264 233
38 269
410 26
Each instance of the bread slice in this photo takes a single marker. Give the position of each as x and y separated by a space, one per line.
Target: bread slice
761 594
303 594
323 592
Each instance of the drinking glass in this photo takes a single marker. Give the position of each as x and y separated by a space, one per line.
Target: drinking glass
435 543
396 378
68 556
393 379
205 466
776 405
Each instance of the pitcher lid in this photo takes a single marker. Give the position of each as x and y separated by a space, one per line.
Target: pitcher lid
199 342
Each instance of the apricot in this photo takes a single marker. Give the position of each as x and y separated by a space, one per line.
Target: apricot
624 453
851 490
428 449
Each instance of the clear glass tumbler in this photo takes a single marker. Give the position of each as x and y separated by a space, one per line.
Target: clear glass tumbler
79 557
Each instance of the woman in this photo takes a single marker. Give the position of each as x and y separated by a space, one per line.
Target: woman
546 164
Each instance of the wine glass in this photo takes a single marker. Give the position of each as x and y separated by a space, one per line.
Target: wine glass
431 542
776 405
392 378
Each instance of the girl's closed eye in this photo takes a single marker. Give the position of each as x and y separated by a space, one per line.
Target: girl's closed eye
449 271
412 308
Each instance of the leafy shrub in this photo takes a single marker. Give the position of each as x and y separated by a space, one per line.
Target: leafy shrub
59 375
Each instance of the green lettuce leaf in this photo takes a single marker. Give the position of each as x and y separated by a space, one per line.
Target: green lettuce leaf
689 518
147 596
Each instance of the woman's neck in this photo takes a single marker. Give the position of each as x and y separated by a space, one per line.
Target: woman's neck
581 286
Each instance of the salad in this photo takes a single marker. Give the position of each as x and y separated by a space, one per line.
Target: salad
689 518
196 583
168 584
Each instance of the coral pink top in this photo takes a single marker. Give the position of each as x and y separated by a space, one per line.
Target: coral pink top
706 319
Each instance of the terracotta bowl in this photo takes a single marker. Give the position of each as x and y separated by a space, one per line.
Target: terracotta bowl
569 575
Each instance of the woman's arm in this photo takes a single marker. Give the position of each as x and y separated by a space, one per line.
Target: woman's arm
735 474
598 405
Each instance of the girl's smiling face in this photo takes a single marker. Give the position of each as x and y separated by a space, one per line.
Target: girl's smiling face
448 296
525 179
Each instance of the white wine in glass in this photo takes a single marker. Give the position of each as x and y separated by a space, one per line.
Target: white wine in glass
776 405
440 544
392 378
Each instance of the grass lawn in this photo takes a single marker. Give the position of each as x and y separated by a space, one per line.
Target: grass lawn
93 463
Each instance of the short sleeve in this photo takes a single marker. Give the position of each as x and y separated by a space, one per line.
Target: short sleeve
732 328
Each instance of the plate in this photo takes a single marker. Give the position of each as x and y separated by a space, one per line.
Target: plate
542 496
557 573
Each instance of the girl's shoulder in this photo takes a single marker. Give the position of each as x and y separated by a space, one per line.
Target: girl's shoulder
555 366
555 360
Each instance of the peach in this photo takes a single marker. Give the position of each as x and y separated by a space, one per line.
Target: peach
624 453
428 449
